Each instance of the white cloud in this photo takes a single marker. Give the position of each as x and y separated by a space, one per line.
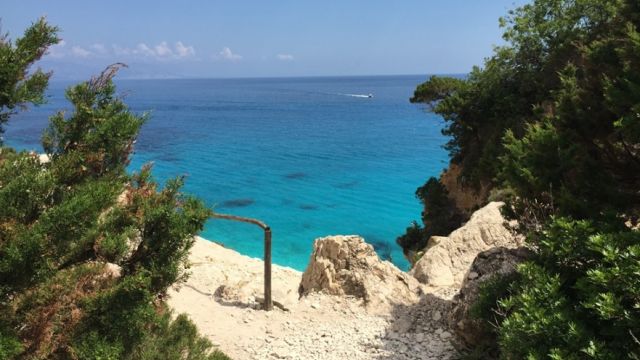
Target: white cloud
99 48
163 50
227 54
80 52
120 51
285 57
144 50
183 50
57 50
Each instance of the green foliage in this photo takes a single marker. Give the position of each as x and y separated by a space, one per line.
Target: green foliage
440 216
413 240
97 139
67 224
437 88
580 300
594 157
18 87
478 109
167 222
10 345
514 86
490 292
484 311
176 340
551 123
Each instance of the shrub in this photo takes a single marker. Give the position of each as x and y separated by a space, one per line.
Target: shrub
439 217
553 117
64 224
579 300
19 86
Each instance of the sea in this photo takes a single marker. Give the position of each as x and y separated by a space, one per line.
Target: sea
311 157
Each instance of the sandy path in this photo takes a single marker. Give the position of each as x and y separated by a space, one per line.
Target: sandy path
220 297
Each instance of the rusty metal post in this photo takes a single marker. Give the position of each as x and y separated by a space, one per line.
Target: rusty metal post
268 302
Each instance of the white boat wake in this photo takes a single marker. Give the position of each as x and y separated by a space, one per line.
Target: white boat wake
358 95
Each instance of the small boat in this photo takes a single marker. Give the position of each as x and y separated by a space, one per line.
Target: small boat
370 95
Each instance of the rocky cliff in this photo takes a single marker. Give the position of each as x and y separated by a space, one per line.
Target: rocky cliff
447 260
466 199
347 265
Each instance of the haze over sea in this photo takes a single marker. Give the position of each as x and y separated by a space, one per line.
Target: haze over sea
306 155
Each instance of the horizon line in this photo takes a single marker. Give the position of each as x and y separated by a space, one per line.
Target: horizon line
264 77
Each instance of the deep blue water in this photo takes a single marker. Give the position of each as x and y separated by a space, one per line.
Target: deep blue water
301 154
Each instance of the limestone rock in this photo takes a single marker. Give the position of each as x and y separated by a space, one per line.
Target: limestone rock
112 270
498 261
44 158
347 265
229 294
446 260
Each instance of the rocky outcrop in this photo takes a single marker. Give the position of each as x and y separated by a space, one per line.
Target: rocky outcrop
324 318
446 260
347 265
316 326
112 270
44 159
495 263
466 198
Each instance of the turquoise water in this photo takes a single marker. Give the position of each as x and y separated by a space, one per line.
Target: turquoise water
305 155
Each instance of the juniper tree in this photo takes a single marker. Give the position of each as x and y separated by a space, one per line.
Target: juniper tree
552 118
439 217
88 251
18 85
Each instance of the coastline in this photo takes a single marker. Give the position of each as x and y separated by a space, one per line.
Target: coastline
302 189
221 247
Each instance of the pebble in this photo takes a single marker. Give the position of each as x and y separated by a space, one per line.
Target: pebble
345 330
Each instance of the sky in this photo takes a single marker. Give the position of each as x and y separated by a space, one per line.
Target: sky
278 38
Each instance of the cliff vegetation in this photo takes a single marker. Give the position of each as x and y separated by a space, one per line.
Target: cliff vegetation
551 124
87 252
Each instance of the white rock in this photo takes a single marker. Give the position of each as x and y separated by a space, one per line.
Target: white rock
436 316
344 329
447 259
347 265
43 158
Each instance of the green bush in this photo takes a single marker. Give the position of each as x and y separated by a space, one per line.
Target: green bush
580 299
439 217
19 86
65 225
551 123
